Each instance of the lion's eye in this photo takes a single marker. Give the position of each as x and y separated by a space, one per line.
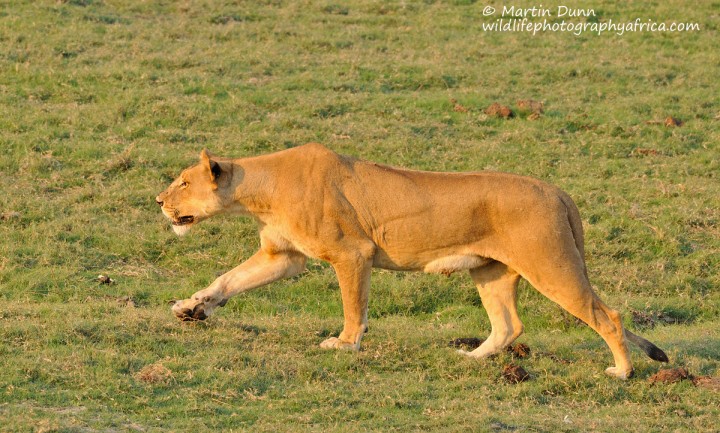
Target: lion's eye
183 184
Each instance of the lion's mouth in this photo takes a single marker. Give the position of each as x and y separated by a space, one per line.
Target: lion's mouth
184 220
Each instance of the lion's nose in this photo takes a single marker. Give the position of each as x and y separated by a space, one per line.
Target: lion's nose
158 200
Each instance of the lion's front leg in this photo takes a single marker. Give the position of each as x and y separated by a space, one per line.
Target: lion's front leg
260 269
354 279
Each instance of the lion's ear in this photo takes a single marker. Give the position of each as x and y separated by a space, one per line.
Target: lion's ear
212 166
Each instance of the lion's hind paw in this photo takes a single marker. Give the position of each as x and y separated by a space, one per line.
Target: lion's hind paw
336 343
619 373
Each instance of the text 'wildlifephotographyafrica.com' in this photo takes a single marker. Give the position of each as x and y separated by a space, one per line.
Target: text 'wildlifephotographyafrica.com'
576 21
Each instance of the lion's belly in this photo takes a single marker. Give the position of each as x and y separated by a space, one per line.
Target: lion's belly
449 264
433 242
430 262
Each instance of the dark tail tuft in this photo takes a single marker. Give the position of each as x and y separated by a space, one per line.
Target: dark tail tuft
650 349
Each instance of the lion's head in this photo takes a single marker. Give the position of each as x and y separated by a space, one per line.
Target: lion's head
194 195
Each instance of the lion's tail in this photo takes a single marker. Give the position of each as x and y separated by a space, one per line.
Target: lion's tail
650 349
575 221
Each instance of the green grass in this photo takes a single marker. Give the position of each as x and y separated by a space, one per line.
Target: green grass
102 103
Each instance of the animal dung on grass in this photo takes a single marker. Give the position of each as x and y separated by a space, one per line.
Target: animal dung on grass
674 375
520 350
497 110
515 374
641 151
670 375
672 122
458 107
530 106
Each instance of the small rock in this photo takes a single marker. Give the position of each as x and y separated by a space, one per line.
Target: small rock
515 374
104 279
670 375
498 110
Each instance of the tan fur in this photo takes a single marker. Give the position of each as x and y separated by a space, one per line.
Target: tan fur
356 215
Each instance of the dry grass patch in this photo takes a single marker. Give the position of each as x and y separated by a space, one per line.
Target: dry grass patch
154 374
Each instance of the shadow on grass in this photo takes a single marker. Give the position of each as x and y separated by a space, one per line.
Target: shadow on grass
252 329
700 346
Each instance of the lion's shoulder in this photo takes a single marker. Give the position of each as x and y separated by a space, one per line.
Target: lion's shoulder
311 151
318 157
316 148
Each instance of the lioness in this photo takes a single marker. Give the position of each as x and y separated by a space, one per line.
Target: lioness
356 215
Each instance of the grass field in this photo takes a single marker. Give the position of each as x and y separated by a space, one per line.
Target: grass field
102 103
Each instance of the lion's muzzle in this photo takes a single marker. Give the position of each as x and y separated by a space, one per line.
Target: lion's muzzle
184 220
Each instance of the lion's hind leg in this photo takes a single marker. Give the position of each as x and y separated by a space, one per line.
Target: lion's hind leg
571 289
497 285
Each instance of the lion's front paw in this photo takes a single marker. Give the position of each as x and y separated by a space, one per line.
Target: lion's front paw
336 343
188 310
